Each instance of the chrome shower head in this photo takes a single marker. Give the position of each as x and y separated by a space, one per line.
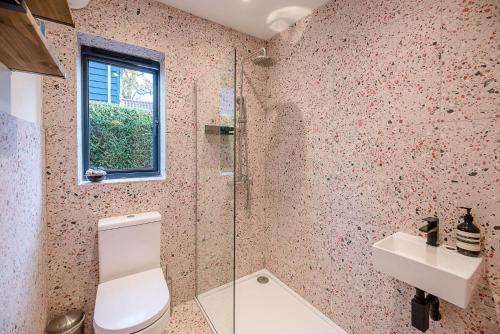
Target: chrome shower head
259 58
263 59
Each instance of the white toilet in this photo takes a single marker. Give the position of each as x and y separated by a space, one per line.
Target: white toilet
132 296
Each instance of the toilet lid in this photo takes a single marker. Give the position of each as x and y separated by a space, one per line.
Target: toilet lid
131 303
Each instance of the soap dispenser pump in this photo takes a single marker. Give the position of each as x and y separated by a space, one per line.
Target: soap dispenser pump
468 236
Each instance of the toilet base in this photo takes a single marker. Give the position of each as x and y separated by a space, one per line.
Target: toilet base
160 326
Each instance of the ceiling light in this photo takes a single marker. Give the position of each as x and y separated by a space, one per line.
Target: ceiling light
78 4
282 18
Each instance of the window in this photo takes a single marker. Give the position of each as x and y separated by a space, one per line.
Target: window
120 120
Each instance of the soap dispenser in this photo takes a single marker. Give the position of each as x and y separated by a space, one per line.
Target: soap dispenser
468 236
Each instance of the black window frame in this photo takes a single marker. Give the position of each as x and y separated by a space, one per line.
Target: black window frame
133 63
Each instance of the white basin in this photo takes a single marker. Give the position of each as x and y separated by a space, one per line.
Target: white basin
436 270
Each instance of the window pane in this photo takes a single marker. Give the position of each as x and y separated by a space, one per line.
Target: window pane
121 122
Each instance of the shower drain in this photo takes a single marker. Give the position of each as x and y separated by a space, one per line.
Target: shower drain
262 279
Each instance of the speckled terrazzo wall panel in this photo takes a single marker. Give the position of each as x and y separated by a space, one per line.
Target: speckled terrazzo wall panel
191 46
382 113
215 194
251 200
23 260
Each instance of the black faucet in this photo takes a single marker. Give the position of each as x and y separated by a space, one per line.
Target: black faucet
432 229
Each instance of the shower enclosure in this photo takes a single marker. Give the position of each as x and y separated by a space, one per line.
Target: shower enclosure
235 291
222 169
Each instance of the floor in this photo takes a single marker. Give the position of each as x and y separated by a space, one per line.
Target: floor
265 307
188 319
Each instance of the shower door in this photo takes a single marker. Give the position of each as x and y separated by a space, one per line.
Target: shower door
215 213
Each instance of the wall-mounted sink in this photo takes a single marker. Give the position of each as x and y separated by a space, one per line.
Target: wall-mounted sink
436 270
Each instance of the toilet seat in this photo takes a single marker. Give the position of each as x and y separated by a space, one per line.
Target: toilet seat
130 304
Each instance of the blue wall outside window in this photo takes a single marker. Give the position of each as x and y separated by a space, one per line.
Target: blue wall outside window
98 82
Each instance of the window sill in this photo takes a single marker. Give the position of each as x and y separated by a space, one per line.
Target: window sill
130 180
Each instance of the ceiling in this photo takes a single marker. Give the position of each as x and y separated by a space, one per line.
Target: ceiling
259 18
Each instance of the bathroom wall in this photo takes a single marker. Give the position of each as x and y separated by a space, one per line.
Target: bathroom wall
23 259
251 201
214 186
191 46
382 113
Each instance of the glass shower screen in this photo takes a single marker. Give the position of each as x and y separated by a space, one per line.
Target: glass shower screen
215 229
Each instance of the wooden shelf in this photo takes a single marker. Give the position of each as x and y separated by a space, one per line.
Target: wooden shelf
23 48
51 10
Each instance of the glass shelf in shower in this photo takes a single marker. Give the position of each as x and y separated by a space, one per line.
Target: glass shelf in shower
219 130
